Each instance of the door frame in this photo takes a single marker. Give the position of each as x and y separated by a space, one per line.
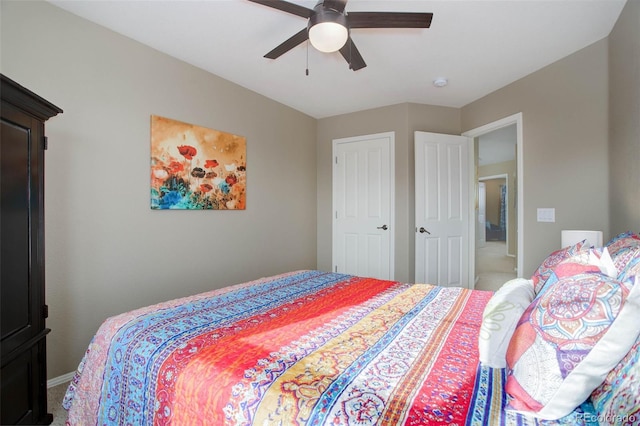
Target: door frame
473 134
392 191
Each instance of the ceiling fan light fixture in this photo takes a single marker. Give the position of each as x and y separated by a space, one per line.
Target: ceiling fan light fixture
328 30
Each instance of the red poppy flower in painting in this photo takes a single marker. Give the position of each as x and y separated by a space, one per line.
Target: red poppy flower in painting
231 179
210 164
205 187
187 151
176 167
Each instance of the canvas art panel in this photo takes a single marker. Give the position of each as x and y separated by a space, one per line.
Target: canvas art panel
196 168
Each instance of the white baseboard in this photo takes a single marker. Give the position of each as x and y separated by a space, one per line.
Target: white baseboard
60 379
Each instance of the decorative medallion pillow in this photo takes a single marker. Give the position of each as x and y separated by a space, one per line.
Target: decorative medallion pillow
631 270
617 399
543 272
621 240
500 318
595 260
568 340
625 251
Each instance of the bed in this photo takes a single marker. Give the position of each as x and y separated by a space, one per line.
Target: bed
317 348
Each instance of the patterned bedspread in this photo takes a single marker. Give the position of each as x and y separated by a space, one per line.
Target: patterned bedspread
303 348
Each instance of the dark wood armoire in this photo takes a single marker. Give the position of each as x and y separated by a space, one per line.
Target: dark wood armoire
23 356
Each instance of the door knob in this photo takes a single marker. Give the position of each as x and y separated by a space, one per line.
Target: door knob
422 230
383 227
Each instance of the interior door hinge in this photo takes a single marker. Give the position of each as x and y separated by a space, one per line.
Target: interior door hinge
45 311
45 142
336 268
336 159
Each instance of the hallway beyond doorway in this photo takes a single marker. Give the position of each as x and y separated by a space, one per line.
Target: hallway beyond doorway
493 266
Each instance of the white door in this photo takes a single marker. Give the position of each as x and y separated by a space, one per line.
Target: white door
362 205
442 209
481 226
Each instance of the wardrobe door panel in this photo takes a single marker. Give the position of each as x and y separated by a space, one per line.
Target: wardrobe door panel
16 228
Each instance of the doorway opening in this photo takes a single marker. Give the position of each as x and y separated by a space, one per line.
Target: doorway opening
495 265
498 236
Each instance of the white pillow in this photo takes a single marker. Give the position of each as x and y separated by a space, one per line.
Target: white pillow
500 318
605 262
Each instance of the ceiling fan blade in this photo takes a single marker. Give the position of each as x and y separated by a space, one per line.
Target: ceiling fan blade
337 5
389 20
289 44
352 55
285 6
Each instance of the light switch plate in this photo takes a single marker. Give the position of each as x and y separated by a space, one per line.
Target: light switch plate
546 215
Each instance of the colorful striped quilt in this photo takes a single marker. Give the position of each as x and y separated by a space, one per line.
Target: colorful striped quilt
303 348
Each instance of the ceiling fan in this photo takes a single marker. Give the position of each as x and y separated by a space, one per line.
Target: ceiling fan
329 26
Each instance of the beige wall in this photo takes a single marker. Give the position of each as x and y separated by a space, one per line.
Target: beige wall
624 120
403 119
565 145
107 251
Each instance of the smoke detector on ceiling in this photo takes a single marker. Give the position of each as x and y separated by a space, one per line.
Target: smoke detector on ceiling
440 82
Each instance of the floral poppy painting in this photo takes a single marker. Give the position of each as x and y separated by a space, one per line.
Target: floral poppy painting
195 168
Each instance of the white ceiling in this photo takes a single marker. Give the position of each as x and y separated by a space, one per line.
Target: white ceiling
478 45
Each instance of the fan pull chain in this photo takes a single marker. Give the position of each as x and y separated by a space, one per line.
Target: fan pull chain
307 71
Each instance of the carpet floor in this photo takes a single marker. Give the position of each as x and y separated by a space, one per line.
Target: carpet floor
493 266
55 395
